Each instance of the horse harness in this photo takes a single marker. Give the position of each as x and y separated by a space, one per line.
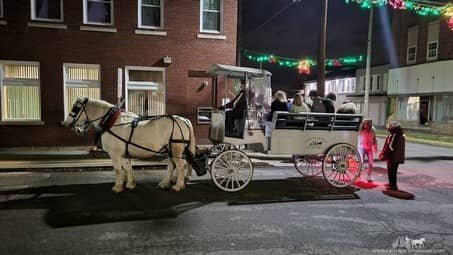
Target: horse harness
112 115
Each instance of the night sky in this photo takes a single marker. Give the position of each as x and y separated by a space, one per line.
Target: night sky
289 29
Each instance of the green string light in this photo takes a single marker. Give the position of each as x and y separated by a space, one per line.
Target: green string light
422 9
302 64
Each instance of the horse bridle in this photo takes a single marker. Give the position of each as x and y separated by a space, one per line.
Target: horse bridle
78 109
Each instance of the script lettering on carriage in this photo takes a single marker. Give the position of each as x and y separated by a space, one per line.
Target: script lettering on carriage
315 142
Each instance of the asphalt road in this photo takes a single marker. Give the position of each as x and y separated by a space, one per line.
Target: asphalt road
278 213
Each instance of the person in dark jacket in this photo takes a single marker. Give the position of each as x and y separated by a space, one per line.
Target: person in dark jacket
329 102
316 104
278 104
393 152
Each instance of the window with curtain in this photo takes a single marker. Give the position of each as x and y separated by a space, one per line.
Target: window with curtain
443 108
20 91
211 15
150 13
98 12
47 10
81 80
409 108
145 90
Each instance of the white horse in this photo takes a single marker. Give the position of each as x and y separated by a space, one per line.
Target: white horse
123 138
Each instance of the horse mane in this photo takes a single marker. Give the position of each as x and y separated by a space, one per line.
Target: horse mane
101 103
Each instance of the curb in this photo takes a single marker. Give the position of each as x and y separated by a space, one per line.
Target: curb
423 141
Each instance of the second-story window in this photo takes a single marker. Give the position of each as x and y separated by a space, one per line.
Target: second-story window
47 10
433 41
412 40
211 16
98 12
432 51
150 13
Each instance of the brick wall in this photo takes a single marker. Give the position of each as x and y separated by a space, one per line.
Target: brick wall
53 47
402 20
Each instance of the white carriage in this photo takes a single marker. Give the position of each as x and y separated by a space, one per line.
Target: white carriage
318 142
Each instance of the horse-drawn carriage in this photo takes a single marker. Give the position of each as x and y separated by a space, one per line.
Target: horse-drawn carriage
318 142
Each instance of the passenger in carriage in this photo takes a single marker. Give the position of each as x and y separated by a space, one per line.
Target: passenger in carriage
316 104
329 102
298 104
348 107
278 104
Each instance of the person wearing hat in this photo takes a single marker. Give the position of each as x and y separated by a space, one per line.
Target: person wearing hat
393 152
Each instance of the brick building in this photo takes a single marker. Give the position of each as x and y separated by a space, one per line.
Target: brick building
51 51
420 87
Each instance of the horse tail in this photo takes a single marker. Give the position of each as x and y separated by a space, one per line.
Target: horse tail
192 141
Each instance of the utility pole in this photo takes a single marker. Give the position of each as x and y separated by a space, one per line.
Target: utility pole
322 49
368 64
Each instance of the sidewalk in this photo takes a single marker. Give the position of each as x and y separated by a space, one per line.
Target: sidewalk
77 161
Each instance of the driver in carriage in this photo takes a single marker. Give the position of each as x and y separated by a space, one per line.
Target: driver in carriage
235 112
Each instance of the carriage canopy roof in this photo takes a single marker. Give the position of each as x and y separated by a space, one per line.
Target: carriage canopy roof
237 71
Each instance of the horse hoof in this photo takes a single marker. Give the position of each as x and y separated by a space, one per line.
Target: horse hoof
117 189
177 188
131 186
162 185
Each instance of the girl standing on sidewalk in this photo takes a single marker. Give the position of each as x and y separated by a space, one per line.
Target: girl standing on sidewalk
367 144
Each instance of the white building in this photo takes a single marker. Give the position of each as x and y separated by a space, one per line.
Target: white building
423 95
378 101
341 86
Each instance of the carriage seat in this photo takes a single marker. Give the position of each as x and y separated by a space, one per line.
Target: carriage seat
317 121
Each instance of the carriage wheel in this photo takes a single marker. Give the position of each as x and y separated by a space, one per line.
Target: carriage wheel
307 166
231 170
219 148
342 165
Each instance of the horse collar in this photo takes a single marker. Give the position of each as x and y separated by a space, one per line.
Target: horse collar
110 118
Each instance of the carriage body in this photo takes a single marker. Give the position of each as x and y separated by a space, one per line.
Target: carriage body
318 142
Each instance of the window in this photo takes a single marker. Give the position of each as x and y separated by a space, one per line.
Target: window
98 12
378 82
47 10
408 108
1 8
145 90
204 115
20 90
412 39
443 108
150 13
432 51
371 82
411 54
80 80
433 41
211 20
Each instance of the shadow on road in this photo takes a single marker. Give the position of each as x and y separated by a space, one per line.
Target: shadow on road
95 203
